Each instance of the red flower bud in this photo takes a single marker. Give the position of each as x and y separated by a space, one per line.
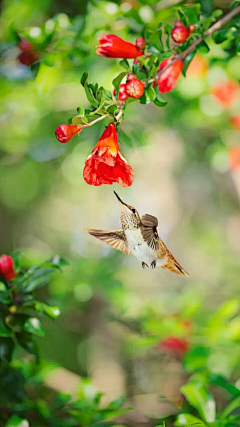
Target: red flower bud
64 133
7 267
180 34
179 24
174 345
140 43
26 45
168 79
192 28
131 76
235 122
113 46
234 158
122 95
136 61
135 88
226 92
27 57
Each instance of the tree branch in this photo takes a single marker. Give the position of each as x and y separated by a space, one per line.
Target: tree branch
219 24
95 121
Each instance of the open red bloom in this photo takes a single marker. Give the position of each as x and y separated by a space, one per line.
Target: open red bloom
168 79
235 122
7 267
64 133
106 164
113 46
174 345
234 158
135 88
226 92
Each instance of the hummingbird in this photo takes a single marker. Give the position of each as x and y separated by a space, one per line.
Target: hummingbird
140 238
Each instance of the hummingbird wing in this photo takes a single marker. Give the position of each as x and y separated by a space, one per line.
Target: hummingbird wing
149 232
114 238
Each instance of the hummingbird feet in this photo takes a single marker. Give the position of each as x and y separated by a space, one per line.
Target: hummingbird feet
153 265
144 265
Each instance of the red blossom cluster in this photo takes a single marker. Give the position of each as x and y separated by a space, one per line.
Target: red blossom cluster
106 164
180 33
7 267
174 345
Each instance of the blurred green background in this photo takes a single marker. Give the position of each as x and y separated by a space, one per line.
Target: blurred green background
180 155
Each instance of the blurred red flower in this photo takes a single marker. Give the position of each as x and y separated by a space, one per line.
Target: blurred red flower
113 46
198 66
235 122
168 79
28 53
234 158
174 345
7 267
226 92
106 164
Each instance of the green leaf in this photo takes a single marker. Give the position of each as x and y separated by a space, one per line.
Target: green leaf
200 399
84 78
191 13
159 101
79 120
4 331
100 106
117 81
6 348
33 326
51 311
151 93
222 382
90 96
156 40
187 61
125 64
80 111
111 109
235 404
116 404
203 47
188 419
5 297
16 421
220 36
26 342
217 13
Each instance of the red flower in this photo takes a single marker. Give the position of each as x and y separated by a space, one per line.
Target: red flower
168 79
64 133
135 88
140 43
234 158
174 345
131 76
122 95
7 267
235 122
28 55
106 164
198 66
113 46
192 28
178 24
226 92
180 34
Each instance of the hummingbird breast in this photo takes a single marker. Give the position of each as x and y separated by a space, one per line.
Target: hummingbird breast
140 248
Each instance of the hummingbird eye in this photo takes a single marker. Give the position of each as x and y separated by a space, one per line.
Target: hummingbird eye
133 210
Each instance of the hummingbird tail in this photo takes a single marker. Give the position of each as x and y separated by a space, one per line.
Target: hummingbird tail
172 265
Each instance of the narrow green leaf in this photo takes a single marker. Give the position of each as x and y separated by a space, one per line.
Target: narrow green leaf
26 342
79 120
188 419
203 47
117 81
5 297
156 40
187 61
124 63
90 96
33 326
84 78
4 331
191 13
151 93
111 109
80 111
234 404
100 105
200 399
16 421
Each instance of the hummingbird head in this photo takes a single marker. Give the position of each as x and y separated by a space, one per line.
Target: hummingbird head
129 216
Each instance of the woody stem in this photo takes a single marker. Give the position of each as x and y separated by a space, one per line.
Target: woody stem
206 33
95 121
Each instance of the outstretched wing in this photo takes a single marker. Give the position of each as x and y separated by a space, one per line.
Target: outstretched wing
149 232
114 238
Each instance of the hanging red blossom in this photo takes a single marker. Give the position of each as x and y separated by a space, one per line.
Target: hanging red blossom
106 164
168 79
64 133
234 158
7 267
113 46
174 345
226 92
235 122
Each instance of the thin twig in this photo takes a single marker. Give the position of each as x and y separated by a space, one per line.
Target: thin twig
95 121
207 33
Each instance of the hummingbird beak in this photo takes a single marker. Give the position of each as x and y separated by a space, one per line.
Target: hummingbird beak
119 198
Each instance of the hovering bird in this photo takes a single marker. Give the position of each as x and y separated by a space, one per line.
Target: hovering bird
140 238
